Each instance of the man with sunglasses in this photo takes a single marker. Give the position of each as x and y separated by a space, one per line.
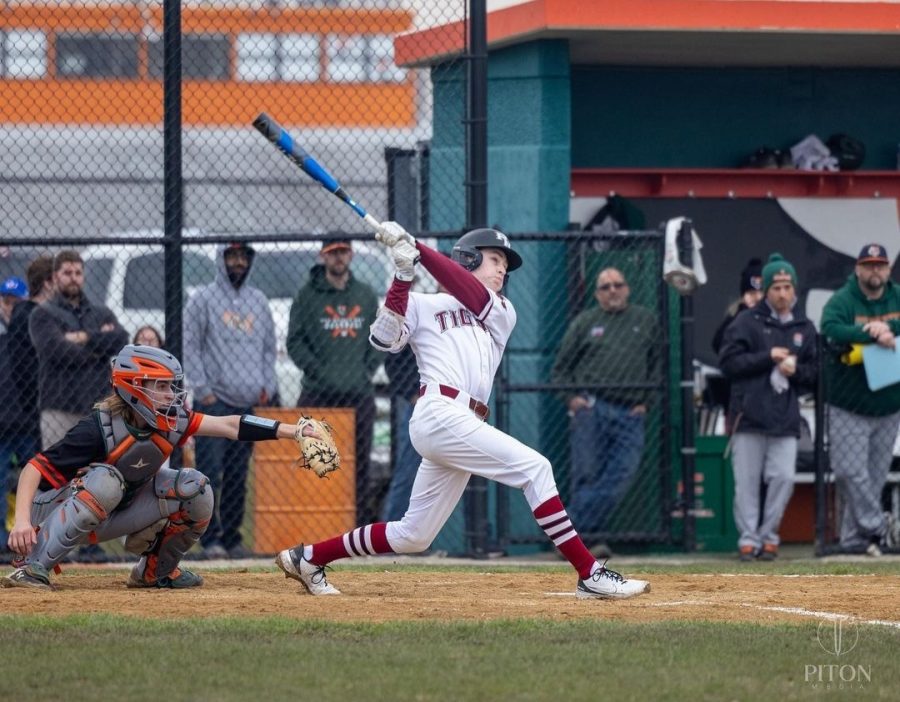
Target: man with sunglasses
607 358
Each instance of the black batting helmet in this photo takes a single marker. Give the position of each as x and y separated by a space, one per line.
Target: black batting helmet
467 251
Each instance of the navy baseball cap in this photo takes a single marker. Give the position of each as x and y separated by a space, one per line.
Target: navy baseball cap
14 286
873 253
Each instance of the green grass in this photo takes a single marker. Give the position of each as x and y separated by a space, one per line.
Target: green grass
109 657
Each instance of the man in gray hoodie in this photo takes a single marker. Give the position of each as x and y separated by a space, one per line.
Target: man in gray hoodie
229 361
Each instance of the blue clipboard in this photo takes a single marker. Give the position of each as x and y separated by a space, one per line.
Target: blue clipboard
882 366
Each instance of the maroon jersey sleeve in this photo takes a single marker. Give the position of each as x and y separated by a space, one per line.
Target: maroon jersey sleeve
464 286
398 296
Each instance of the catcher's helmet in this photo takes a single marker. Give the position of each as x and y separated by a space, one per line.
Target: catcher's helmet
149 364
467 251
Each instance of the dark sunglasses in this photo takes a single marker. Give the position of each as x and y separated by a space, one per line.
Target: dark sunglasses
609 286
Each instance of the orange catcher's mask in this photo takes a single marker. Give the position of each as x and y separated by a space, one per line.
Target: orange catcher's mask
151 382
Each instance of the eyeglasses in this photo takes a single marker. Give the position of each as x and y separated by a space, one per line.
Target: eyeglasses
609 286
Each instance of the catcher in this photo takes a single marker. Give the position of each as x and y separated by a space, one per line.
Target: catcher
105 479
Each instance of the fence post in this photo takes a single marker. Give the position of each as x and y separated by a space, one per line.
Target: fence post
821 546
173 208
476 506
688 450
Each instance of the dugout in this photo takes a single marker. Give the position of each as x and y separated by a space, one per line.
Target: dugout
662 101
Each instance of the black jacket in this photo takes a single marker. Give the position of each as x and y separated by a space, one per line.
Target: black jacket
746 360
23 373
74 376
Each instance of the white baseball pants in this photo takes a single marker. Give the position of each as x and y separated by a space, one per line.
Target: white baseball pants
455 444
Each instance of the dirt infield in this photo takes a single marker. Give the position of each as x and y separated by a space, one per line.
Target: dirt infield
378 596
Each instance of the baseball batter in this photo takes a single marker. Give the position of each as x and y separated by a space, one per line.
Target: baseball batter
458 338
105 479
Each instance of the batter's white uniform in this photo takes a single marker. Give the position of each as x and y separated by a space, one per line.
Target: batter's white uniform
458 349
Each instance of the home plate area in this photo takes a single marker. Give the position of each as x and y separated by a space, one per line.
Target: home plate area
375 595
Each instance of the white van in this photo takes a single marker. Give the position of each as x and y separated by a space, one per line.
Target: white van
129 280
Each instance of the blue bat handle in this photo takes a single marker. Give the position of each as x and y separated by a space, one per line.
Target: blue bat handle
285 142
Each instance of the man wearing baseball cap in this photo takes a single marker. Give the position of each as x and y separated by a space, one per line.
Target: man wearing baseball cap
12 291
328 339
862 424
769 355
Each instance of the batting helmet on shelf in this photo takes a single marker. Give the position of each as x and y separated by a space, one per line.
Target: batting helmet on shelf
135 375
467 251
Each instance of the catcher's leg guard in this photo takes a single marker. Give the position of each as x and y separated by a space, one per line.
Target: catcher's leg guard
92 498
189 502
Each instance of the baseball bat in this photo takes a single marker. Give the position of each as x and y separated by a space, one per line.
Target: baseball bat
285 143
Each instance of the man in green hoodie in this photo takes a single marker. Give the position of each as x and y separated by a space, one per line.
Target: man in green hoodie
862 424
328 339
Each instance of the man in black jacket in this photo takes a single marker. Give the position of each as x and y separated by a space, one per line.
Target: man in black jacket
23 362
75 340
769 355
20 435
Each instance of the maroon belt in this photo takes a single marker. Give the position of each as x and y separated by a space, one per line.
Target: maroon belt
480 409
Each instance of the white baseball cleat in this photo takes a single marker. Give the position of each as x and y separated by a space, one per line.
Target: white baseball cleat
608 584
312 577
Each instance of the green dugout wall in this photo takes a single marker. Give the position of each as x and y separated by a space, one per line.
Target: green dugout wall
670 117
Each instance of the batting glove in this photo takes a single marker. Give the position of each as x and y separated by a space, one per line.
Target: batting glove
405 256
390 233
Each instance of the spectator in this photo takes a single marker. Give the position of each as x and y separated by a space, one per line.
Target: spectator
16 443
769 354
862 424
75 340
22 387
148 336
13 290
22 354
229 353
403 376
610 351
751 294
327 339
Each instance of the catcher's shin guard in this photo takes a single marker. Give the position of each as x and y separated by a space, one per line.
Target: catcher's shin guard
189 500
92 497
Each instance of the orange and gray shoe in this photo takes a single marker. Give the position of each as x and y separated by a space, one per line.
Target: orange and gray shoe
178 579
769 552
747 553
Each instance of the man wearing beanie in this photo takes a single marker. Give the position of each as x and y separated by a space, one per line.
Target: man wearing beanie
862 424
769 354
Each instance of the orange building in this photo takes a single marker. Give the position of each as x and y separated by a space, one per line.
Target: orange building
102 64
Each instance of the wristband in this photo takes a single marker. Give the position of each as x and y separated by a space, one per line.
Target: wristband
253 428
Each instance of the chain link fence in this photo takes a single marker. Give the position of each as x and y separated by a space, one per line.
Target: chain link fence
601 390
80 124
320 361
83 167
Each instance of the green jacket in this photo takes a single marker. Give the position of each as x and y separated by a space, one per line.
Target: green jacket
843 319
610 348
328 336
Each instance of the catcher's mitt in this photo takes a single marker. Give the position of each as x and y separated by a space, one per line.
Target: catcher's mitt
318 452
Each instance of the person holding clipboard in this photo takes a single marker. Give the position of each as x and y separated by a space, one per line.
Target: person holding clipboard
862 421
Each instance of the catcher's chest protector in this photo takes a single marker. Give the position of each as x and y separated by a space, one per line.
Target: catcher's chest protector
138 459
